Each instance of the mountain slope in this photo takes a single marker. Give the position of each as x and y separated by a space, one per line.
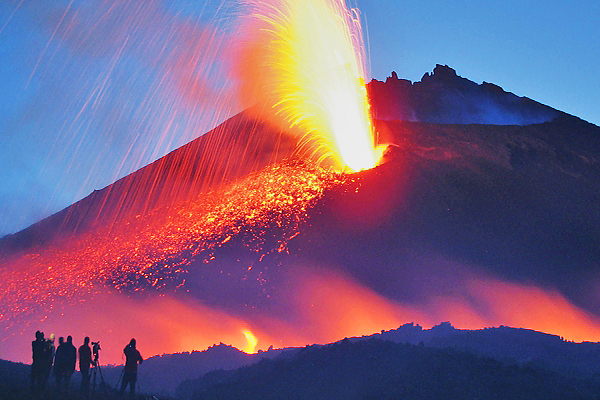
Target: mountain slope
484 225
235 148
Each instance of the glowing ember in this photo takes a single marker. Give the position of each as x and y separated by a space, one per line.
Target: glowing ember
305 60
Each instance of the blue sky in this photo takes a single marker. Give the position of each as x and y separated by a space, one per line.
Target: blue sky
90 90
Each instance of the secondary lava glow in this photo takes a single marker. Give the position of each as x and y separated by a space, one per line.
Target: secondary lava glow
252 341
304 61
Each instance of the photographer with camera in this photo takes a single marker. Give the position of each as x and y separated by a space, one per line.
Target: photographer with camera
133 357
85 362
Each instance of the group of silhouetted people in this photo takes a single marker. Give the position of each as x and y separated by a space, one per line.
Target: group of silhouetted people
62 359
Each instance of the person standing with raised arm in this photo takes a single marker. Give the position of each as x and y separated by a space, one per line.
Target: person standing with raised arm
132 358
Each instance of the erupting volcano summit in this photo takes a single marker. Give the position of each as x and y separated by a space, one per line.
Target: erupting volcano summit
289 224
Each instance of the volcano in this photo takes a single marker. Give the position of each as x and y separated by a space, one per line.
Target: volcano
484 213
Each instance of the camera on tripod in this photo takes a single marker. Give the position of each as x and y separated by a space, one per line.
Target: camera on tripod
96 352
95 349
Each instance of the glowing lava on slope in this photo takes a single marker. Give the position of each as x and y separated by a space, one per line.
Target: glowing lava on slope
153 249
313 69
303 61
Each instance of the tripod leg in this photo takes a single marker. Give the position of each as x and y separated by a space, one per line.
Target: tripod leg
101 376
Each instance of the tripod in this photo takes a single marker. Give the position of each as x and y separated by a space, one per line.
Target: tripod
97 368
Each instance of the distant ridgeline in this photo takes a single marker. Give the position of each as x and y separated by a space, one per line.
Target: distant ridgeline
446 98
496 363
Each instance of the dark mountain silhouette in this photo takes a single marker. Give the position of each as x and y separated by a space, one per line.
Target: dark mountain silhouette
521 351
14 377
376 369
516 345
443 97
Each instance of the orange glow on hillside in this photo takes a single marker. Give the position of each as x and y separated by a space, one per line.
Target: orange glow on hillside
335 306
326 306
304 61
520 305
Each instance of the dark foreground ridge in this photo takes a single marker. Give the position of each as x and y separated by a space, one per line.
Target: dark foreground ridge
376 369
409 362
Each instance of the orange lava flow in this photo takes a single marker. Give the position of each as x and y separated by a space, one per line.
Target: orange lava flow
327 306
154 249
520 305
334 306
302 65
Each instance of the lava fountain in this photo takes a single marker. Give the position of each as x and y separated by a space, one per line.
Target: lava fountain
302 66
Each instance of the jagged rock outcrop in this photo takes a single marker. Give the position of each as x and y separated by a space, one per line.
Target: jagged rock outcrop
446 98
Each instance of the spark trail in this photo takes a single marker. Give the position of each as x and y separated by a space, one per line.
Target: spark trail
305 62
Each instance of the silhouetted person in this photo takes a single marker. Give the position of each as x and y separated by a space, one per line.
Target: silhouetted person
38 348
60 363
85 362
71 360
132 358
48 359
